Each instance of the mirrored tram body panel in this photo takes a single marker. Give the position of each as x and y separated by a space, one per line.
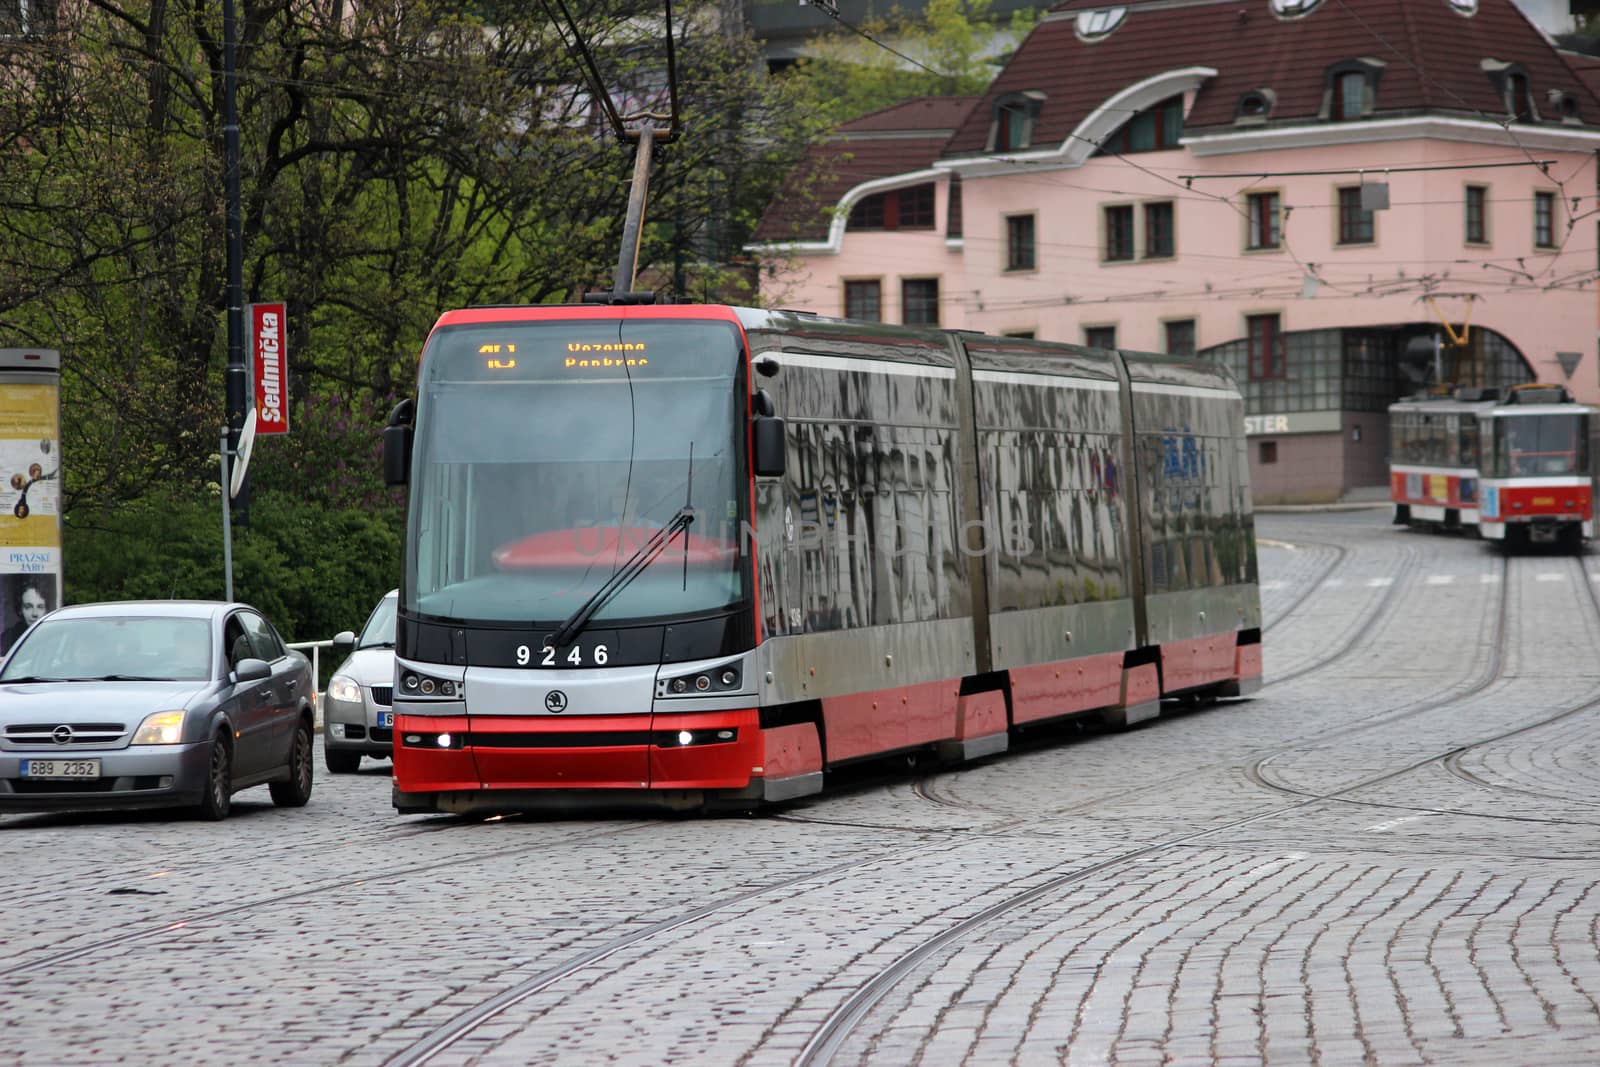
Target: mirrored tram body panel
971 534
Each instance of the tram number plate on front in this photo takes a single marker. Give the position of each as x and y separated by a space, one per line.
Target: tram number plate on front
385 718
60 768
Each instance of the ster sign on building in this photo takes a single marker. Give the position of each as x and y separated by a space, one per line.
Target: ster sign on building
269 367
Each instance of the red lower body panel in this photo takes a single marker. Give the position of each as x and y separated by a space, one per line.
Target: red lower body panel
1065 687
864 724
595 752
981 715
1247 661
1197 662
790 751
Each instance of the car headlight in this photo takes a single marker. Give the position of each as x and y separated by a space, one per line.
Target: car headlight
162 728
342 687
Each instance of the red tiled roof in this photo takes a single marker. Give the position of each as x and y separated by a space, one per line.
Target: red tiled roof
897 140
1251 48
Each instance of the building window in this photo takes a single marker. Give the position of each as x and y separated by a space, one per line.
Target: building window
1266 349
1355 221
1349 96
1262 209
1021 335
1158 229
1149 131
1519 100
1119 232
1014 117
864 300
919 301
1180 337
897 209
1267 451
1019 243
1254 106
1544 220
1477 226
1100 336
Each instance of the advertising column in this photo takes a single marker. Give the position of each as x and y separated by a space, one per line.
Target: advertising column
30 488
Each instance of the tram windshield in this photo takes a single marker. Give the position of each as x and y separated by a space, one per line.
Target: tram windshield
546 454
1526 445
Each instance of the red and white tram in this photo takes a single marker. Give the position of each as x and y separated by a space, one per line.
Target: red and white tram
703 554
1513 463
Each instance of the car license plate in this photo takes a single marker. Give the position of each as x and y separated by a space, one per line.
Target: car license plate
385 718
60 768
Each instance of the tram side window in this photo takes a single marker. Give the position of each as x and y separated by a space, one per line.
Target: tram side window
1469 442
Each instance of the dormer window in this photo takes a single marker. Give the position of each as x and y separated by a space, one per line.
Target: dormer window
1014 116
1519 101
1289 9
1511 82
1565 105
1152 130
1094 25
1351 90
1463 7
1254 107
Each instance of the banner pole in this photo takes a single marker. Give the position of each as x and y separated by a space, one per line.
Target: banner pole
227 523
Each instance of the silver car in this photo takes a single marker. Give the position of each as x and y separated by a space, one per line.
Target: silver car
147 704
357 709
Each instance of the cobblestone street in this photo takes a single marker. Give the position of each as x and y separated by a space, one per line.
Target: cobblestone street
1391 855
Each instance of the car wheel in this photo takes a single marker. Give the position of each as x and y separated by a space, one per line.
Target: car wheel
218 795
341 762
297 790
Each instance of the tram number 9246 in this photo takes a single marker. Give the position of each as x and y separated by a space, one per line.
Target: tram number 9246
547 656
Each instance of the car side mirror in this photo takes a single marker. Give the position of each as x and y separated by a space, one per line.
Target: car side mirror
344 641
397 439
250 669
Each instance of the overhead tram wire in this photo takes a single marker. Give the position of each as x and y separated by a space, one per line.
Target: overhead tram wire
1504 124
831 9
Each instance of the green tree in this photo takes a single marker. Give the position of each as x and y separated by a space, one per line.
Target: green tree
951 50
398 161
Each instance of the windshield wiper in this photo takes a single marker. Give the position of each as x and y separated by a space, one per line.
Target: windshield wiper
624 574
33 678
377 644
124 678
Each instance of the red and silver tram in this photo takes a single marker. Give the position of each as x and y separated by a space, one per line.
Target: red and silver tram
704 554
1515 464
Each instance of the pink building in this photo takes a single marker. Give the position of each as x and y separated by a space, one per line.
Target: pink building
1343 200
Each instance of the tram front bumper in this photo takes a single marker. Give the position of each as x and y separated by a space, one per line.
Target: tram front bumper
703 750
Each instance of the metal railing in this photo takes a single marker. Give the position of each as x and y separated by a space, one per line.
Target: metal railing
316 648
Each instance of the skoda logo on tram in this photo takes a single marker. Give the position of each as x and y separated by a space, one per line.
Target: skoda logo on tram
555 702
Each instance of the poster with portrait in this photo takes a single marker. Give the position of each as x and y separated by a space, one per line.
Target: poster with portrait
25 598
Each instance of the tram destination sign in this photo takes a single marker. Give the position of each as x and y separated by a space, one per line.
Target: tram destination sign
1292 422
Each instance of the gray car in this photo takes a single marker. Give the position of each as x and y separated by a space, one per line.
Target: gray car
147 704
357 709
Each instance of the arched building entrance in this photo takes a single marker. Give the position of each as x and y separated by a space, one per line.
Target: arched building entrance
1316 400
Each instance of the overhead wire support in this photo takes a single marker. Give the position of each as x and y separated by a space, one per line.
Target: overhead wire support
1542 164
641 128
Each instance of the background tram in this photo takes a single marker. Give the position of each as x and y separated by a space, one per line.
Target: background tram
705 554
1515 464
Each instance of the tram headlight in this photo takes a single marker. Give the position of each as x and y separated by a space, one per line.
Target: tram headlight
729 678
702 683
680 685
685 737
724 679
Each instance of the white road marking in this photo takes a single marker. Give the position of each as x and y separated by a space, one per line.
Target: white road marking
1379 583
1440 579
1267 587
1488 579
1390 824
1333 583
1549 576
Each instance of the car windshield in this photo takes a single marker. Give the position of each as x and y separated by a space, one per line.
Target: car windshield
379 631
91 648
546 454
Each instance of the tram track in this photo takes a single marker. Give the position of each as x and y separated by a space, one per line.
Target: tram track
1340 553
1360 630
830 1036
215 915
